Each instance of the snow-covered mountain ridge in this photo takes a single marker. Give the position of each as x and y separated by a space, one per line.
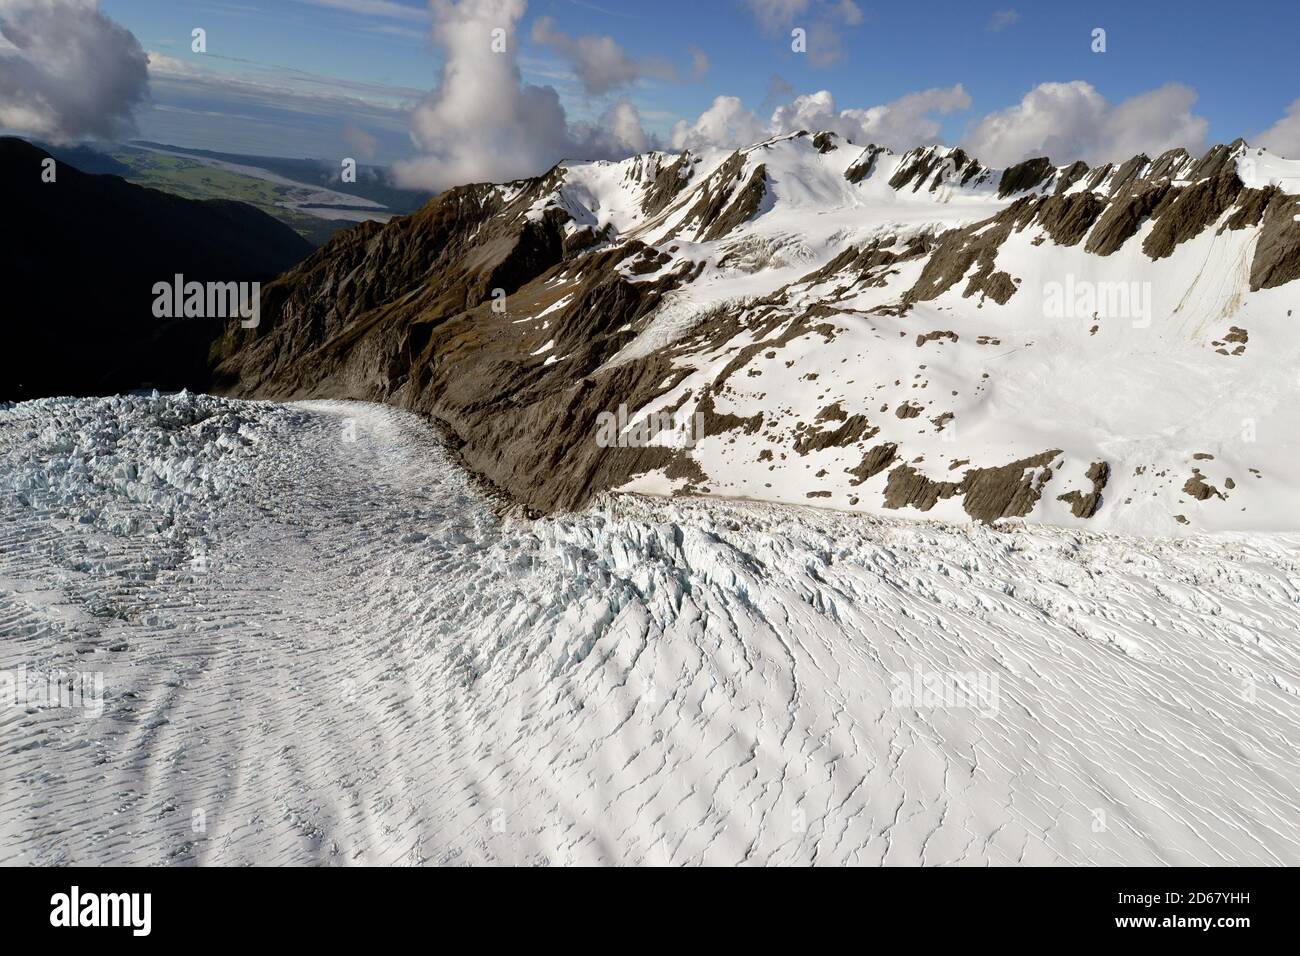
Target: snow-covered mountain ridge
833 324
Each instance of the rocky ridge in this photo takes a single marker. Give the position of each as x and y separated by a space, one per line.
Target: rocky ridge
952 312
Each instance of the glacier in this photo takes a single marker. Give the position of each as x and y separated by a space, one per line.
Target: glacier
323 641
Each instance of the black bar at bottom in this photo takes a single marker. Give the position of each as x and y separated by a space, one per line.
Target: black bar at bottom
306 906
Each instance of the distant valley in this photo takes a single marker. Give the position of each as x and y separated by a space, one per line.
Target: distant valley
307 195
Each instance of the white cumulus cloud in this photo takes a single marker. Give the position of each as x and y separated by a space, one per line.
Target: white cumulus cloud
483 123
725 123
908 121
1068 121
67 71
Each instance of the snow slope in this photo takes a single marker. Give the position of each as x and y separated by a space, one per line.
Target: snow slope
1152 390
321 642
810 212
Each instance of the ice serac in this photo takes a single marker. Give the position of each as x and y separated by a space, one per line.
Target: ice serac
1089 321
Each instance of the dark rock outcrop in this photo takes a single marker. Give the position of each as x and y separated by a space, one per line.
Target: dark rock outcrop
1277 254
1199 488
854 428
864 165
988 494
875 461
743 206
1185 213
1025 176
668 185
1086 505
724 203
1070 175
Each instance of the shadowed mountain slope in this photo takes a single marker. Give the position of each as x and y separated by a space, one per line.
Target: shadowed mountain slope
84 253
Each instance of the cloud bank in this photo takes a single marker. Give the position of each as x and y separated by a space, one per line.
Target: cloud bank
905 122
1069 121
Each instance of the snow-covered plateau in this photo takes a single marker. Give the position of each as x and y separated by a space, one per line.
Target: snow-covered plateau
321 641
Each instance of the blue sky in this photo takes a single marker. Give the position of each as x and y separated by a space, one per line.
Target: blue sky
361 65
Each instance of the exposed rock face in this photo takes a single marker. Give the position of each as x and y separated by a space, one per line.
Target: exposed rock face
529 427
1183 214
909 488
1086 505
1025 176
1070 175
1067 219
874 462
959 252
668 184
724 203
1137 192
1277 255
870 264
932 168
1010 491
988 494
742 208
864 165
855 428
936 336
1198 488
825 142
